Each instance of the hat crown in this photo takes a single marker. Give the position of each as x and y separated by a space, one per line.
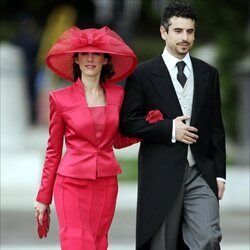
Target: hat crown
90 41
84 39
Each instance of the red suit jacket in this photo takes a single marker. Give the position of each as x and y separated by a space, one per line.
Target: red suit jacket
70 118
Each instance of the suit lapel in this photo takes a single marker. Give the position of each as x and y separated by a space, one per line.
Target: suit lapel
107 113
200 88
163 84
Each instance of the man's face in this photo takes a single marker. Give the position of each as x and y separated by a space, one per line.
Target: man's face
179 38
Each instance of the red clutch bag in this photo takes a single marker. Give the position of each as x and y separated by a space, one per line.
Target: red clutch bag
43 229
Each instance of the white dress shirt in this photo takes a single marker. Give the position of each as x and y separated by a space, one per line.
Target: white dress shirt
184 94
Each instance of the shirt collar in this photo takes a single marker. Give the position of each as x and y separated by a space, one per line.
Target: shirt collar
171 60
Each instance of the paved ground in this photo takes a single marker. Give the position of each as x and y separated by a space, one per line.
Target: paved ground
18 229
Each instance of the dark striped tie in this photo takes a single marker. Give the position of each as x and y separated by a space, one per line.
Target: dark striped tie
180 75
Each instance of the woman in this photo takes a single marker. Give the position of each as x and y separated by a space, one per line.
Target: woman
86 116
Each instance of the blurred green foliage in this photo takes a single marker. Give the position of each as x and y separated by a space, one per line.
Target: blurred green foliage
129 169
226 24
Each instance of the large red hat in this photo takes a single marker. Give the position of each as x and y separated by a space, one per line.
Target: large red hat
60 57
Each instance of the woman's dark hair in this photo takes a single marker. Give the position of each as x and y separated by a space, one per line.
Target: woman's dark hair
76 69
106 73
178 9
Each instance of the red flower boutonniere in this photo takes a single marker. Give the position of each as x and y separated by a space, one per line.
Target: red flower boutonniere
154 116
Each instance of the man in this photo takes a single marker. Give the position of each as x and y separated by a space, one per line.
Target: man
182 157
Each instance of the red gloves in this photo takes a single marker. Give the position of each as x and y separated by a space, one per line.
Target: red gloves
124 141
43 230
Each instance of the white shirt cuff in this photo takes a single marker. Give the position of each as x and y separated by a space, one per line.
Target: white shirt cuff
173 133
221 179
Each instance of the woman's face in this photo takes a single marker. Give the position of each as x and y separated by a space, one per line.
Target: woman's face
91 63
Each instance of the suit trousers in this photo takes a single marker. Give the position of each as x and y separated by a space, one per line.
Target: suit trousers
196 210
85 210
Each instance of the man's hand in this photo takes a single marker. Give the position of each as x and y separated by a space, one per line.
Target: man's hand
183 132
221 189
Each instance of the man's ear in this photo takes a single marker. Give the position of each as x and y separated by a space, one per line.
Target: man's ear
163 33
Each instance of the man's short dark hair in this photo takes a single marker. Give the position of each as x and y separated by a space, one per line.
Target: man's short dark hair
178 9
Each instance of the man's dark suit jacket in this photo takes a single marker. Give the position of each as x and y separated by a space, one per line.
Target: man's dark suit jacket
161 162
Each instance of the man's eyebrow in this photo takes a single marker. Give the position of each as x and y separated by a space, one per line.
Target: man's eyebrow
191 29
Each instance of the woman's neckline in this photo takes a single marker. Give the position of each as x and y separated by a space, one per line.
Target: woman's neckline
100 106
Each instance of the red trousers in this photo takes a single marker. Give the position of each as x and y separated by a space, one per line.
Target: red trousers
85 209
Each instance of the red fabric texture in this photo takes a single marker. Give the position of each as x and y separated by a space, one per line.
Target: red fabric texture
154 116
98 117
85 157
85 209
124 141
104 40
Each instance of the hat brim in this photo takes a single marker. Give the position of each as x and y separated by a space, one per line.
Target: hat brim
62 63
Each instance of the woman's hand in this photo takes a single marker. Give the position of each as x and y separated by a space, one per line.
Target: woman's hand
40 208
